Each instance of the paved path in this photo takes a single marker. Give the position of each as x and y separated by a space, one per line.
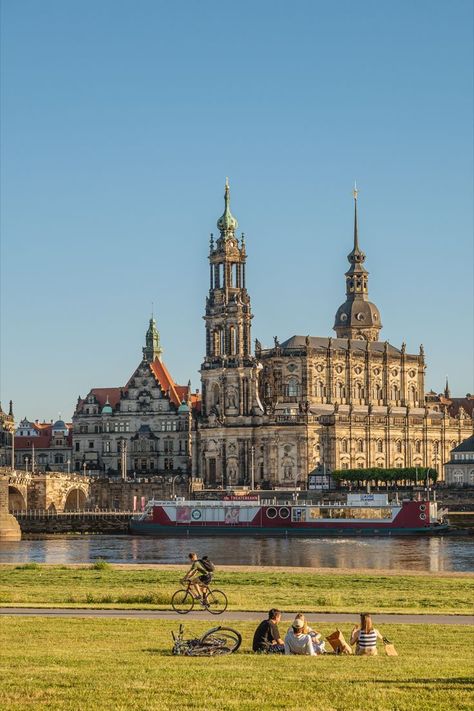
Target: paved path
241 616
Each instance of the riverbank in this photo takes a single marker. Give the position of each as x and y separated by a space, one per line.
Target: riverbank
122 664
247 587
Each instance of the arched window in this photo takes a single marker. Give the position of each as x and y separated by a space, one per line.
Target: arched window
418 446
413 396
378 393
359 391
340 390
394 392
398 446
360 445
435 447
232 340
379 445
293 387
344 446
319 389
216 342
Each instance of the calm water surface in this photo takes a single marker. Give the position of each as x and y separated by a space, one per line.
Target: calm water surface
423 554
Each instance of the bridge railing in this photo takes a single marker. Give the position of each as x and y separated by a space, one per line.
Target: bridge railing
44 513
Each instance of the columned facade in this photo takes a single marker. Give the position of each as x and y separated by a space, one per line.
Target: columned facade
347 402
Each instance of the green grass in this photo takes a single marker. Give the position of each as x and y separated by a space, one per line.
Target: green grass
98 664
102 586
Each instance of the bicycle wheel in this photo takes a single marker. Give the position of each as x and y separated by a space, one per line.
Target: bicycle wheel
182 601
216 602
222 640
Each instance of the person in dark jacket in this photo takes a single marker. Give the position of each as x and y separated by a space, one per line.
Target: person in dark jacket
267 636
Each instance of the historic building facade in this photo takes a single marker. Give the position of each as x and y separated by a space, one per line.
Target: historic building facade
142 428
7 426
43 446
459 471
351 401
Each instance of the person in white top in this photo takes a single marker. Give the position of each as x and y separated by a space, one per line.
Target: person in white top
297 642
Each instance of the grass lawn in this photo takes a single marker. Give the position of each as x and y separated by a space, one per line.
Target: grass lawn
98 664
45 585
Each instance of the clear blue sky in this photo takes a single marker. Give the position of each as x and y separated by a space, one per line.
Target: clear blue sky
120 122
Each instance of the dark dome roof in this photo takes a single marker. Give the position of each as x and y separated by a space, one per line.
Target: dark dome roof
359 314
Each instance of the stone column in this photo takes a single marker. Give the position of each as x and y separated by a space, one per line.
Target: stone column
9 526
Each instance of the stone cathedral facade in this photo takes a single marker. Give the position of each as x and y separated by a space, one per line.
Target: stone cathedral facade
273 416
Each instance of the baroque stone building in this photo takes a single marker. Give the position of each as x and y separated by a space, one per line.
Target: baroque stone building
142 428
352 401
43 446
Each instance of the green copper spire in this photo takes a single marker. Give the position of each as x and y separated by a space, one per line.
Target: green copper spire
152 349
227 224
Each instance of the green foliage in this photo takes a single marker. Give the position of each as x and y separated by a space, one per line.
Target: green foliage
28 566
381 474
100 564
97 664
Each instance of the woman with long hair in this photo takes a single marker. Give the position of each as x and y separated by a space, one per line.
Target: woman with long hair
365 636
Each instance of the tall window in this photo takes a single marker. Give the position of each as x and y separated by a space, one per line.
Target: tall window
379 445
344 446
293 387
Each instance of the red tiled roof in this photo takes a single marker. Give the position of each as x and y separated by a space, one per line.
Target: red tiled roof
160 371
455 403
101 395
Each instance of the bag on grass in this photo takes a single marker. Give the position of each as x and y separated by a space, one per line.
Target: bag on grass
390 650
338 643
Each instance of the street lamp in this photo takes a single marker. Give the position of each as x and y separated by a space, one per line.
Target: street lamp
252 466
26 464
173 481
84 467
68 466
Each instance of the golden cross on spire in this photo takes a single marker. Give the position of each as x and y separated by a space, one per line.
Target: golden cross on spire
355 192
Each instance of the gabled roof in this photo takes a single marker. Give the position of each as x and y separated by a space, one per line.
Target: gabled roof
160 371
320 343
101 395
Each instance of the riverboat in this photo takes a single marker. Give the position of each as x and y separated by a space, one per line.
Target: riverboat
360 515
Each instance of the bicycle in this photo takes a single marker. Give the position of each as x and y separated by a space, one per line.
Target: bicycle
214 642
214 601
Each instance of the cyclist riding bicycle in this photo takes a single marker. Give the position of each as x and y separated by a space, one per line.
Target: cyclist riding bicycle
197 571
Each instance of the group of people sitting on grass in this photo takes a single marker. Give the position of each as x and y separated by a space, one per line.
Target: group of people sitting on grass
302 639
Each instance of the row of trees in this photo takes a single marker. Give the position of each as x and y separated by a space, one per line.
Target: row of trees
410 475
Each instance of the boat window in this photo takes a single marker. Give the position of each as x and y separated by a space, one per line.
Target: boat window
298 514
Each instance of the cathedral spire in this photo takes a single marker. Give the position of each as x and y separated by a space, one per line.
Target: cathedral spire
357 317
355 192
152 348
227 224
447 391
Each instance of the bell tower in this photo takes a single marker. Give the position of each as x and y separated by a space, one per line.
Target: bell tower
228 367
357 318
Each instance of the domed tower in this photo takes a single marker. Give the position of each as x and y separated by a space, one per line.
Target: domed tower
357 318
227 369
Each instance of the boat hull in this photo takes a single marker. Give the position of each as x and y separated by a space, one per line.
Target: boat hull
150 528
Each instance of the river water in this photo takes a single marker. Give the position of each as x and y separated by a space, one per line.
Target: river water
429 554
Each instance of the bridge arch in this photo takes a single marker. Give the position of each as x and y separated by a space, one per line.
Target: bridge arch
75 499
16 500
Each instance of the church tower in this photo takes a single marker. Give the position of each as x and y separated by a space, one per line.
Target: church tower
357 318
229 369
152 348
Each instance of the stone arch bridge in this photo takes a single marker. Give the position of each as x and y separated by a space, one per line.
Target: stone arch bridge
51 491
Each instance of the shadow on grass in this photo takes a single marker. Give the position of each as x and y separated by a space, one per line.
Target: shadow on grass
440 682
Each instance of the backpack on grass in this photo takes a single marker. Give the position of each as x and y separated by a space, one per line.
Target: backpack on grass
207 564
